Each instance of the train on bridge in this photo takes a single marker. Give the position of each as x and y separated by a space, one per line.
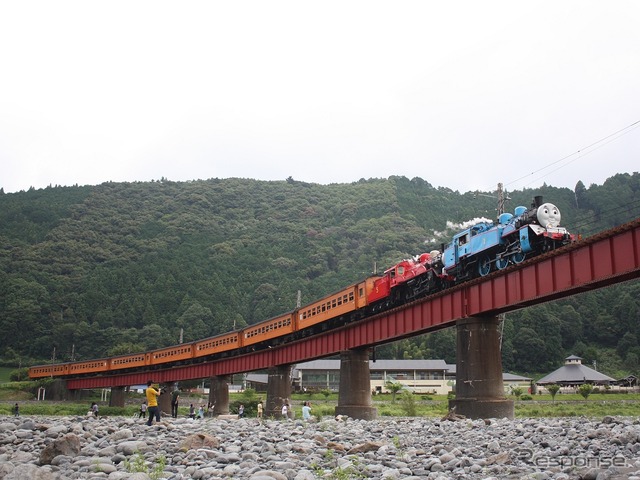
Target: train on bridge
474 252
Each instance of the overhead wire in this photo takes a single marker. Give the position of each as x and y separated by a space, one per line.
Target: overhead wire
580 153
630 207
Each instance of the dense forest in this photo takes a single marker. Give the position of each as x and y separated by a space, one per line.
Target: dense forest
91 271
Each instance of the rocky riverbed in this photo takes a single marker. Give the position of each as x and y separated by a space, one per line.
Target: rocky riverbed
47 448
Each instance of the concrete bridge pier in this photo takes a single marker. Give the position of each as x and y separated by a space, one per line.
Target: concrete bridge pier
354 397
117 397
278 391
164 400
58 390
219 394
479 384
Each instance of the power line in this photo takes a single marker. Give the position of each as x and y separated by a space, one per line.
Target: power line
580 153
630 207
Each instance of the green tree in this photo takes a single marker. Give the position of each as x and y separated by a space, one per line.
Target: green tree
408 402
585 390
628 342
553 390
195 322
19 374
125 349
529 349
394 388
516 392
581 196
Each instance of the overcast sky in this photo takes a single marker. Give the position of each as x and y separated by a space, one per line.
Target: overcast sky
462 94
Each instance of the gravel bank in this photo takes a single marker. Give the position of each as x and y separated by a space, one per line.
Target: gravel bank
47 448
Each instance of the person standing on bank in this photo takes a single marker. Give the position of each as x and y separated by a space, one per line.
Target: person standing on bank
175 396
94 409
143 410
152 403
306 411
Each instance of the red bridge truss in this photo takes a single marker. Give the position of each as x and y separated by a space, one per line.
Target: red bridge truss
605 259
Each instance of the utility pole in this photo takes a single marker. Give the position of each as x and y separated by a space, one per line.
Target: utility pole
501 318
501 195
299 299
501 200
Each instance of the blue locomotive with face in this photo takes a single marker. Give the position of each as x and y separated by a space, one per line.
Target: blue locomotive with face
485 247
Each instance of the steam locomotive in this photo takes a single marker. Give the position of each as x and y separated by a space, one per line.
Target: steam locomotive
472 253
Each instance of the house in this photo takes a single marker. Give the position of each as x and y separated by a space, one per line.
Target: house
418 376
573 373
510 380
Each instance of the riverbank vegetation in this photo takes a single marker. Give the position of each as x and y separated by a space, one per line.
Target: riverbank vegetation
407 405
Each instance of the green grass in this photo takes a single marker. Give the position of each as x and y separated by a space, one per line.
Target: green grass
435 406
4 374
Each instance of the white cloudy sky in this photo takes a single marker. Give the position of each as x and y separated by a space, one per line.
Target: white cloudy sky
463 94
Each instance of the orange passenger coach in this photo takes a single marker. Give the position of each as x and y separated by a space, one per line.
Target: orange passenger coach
128 361
272 328
218 344
172 354
90 366
335 305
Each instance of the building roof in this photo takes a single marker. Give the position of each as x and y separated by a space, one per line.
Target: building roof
329 364
258 378
506 377
386 365
575 374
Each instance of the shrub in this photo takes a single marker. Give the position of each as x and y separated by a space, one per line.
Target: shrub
553 390
408 403
516 392
19 375
585 390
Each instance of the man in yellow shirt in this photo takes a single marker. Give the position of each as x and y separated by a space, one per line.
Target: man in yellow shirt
152 403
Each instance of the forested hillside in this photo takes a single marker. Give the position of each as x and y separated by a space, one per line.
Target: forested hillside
121 267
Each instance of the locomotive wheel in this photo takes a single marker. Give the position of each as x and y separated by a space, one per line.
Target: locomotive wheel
517 257
484 266
502 262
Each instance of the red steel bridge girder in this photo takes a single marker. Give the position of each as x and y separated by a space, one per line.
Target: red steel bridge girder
605 259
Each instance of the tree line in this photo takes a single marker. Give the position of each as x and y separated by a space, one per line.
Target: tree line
91 271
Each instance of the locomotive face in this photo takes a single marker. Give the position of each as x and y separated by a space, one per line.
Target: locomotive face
548 215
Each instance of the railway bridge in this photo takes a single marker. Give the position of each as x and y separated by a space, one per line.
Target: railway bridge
604 259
